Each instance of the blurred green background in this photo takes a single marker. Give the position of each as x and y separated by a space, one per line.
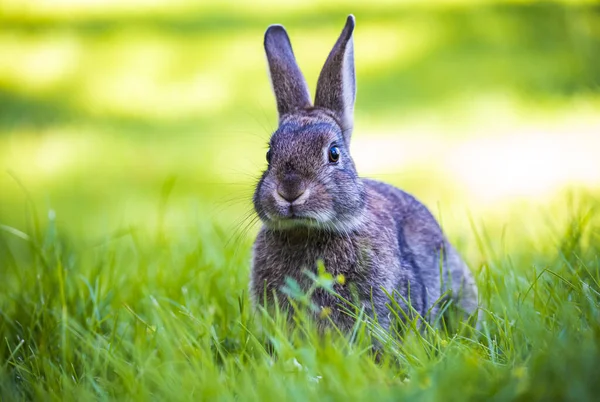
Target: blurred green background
143 113
136 130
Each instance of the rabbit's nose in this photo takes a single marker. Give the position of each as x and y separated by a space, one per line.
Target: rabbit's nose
291 188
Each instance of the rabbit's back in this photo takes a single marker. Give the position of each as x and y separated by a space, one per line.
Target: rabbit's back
435 264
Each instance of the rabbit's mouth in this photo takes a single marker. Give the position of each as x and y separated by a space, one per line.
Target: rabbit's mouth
310 209
296 211
293 216
295 221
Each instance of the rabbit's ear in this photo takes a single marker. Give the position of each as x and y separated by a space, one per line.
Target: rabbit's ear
289 85
336 88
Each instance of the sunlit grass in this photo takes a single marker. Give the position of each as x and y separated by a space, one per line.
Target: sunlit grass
164 315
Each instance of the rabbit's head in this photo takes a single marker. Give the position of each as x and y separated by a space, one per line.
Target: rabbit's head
311 179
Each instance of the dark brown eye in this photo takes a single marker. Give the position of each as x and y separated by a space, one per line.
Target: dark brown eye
334 154
269 156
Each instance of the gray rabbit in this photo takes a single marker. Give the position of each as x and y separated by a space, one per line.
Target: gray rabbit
314 206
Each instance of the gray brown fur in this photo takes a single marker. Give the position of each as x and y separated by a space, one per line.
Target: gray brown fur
377 236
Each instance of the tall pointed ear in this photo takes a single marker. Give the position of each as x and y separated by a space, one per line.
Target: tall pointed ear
336 88
289 85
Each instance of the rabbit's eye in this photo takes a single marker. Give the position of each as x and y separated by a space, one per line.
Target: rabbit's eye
334 154
269 156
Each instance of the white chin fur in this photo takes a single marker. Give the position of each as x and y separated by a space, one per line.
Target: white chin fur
322 221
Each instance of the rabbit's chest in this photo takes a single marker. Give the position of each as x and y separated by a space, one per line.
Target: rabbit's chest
340 256
361 266
280 257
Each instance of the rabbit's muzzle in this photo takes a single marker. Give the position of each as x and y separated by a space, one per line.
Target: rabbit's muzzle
291 188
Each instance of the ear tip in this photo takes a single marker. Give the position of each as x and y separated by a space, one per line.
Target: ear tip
275 32
275 29
351 21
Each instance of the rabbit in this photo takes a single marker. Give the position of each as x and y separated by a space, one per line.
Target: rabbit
314 207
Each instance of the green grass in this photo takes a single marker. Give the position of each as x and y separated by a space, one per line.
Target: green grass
158 315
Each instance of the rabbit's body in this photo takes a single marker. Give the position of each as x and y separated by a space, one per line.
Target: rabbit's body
316 208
